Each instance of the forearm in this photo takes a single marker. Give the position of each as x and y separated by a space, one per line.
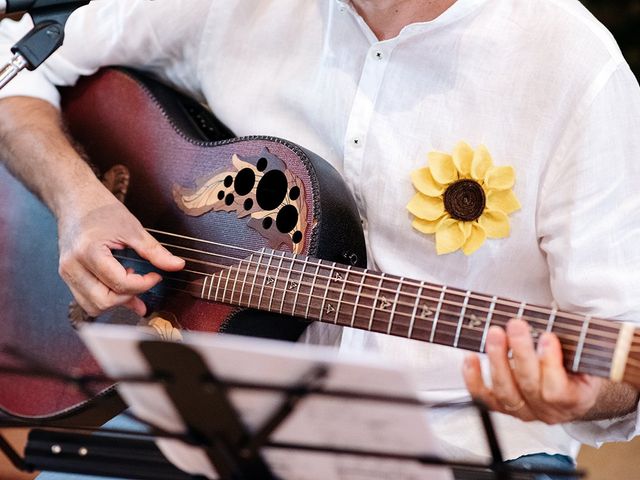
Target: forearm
35 148
614 400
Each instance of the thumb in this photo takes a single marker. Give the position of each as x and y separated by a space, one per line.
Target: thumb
150 249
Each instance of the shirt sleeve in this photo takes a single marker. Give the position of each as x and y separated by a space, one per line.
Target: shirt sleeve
589 218
153 36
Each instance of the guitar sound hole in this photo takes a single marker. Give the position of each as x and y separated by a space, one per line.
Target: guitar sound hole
244 182
287 218
272 189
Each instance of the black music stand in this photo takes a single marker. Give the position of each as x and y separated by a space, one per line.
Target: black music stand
215 425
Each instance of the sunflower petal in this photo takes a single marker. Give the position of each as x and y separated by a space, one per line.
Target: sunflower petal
425 183
475 240
442 167
425 226
466 229
495 224
427 208
462 157
500 178
481 163
503 200
449 236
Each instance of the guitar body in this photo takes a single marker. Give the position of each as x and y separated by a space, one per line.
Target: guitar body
183 173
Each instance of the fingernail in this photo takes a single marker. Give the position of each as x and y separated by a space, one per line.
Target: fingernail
543 344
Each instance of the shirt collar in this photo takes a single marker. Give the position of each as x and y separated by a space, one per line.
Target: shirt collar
458 10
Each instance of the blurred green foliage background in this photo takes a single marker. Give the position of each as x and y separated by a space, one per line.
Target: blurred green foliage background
622 17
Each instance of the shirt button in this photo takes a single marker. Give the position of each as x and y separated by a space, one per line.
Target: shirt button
356 141
378 55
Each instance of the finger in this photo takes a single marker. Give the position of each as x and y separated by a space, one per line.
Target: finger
472 374
526 367
503 383
95 297
109 271
150 249
555 380
137 306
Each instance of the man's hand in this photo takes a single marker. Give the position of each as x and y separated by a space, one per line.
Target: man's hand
91 222
534 385
87 234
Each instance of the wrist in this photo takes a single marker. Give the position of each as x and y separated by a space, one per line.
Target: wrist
614 400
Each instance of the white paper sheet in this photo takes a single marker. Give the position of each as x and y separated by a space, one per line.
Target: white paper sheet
317 420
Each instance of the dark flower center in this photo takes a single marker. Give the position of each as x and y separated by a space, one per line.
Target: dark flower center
465 200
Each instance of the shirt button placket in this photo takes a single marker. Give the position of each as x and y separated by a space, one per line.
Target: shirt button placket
362 111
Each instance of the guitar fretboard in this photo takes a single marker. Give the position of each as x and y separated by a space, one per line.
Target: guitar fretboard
332 293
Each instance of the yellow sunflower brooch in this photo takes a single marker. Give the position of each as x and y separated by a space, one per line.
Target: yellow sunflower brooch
463 199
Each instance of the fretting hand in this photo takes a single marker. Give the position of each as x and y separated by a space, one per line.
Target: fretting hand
534 385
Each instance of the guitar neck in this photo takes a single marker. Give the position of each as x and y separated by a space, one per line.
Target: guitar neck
332 293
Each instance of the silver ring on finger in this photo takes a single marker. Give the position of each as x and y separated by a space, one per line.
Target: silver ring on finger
514 408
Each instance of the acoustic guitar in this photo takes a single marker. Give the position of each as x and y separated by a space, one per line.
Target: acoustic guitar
271 237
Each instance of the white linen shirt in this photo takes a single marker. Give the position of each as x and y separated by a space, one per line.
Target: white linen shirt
539 82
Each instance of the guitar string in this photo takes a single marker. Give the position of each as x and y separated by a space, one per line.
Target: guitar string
609 332
371 297
588 342
405 282
577 328
594 360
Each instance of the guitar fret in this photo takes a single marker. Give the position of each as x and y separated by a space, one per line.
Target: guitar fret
326 292
286 283
215 297
204 284
363 276
415 310
305 263
437 315
521 310
213 275
552 319
313 285
264 280
344 284
375 301
583 336
488 323
255 277
224 291
275 282
235 281
461 318
244 279
395 305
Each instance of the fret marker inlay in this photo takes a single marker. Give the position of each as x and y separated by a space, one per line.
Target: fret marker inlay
426 312
384 303
474 321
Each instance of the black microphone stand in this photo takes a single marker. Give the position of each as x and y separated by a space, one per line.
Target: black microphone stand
42 40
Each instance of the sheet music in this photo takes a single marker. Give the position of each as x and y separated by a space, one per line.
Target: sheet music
317 420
